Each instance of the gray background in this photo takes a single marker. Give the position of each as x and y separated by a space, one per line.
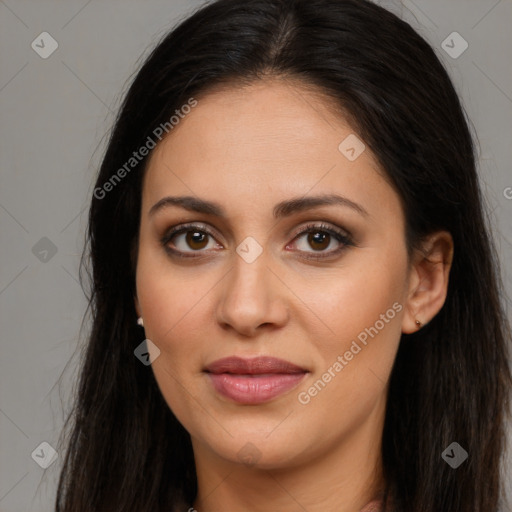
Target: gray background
55 113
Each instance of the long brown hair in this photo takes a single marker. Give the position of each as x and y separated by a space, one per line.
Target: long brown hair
451 380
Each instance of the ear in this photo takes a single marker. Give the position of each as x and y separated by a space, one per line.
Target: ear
428 280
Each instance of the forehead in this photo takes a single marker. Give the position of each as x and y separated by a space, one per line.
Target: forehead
270 138
266 120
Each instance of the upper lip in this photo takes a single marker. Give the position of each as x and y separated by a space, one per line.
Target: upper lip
253 366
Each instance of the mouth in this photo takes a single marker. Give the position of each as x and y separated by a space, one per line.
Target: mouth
255 380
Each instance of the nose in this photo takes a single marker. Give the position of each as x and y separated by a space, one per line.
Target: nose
252 299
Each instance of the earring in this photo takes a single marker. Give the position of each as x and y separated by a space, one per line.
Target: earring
140 321
419 324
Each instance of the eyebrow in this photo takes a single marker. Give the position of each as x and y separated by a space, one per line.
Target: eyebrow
281 209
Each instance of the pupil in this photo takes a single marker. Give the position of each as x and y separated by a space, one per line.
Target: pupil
192 238
319 238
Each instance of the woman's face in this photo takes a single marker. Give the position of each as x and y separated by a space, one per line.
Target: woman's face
248 279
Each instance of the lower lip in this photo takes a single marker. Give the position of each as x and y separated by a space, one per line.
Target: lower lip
254 389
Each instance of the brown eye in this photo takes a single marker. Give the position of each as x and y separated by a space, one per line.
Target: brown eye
196 239
188 239
317 240
185 240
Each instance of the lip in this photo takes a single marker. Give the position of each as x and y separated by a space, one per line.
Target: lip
255 380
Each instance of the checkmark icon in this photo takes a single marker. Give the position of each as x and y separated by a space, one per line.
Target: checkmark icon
44 45
249 454
454 455
454 45
44 250
249 249
44 455
147 352
351 147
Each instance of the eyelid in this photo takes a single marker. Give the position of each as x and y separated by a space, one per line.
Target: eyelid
323 226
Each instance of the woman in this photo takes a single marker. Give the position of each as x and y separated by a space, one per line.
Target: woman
295 298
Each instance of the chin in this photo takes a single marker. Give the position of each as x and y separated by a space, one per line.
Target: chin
258 449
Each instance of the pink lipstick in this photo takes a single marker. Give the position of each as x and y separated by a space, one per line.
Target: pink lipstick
253 381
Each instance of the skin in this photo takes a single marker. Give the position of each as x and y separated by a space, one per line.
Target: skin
248 148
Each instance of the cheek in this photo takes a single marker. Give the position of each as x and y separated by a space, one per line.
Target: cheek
171 307
354 297
362 306
168 295
173 313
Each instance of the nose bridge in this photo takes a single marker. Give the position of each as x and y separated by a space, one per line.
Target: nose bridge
250 263
251 296
248 283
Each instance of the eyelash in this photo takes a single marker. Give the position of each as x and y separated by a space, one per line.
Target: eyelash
344 239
